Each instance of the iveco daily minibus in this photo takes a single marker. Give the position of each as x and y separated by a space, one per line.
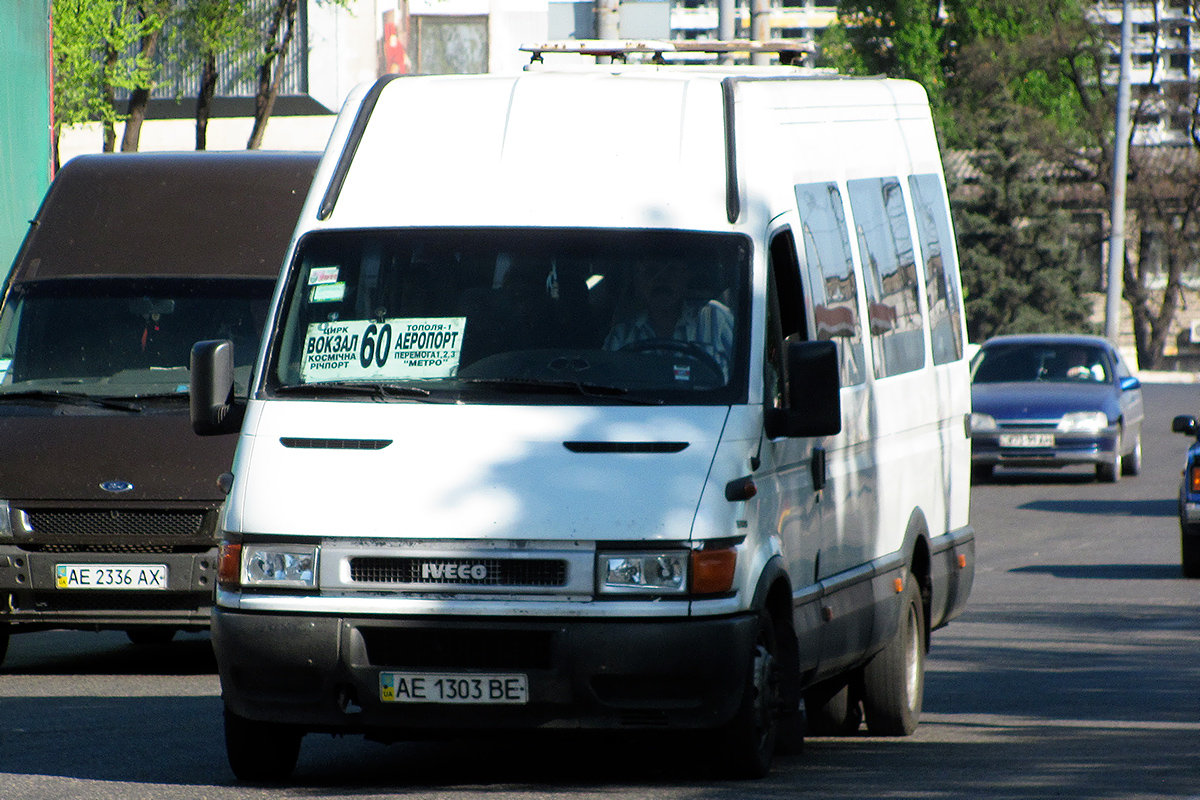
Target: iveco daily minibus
619 398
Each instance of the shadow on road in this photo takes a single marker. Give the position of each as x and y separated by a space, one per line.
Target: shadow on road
1119 572
1108 508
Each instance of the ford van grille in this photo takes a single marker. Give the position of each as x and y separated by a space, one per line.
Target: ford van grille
104 524
459 571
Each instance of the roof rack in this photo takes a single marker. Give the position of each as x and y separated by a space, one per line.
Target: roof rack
789 50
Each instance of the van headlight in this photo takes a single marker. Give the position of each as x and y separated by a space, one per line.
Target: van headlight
703 571
274 565
1083 422
6 533
663 572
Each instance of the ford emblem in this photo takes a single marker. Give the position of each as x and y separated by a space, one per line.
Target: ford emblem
116 486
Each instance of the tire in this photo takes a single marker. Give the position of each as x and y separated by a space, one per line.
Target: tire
1110 471
1189 550
150 635
4 634
747 744
981 473
894 679
833 708
261 752
1131 463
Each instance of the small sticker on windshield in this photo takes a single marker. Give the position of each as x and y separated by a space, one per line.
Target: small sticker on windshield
683 373
327 293
322 275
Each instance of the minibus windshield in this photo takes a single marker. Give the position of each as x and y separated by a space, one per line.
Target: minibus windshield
517 315
119 337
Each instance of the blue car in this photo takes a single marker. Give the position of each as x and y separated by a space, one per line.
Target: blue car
1189 498
1054 400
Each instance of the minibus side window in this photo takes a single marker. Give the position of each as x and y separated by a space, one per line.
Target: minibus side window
890 273
941 267
831 275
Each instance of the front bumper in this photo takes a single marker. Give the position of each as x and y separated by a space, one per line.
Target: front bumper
30 598
322 672
1067 449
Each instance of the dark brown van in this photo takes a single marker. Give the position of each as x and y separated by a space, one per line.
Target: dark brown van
108 501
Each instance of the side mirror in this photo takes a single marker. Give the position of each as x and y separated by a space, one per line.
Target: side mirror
813 405
1129 383
214 409
1184 423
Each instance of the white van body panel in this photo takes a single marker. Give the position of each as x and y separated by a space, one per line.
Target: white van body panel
473 472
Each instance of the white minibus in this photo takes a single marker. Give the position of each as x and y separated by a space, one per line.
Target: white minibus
626 398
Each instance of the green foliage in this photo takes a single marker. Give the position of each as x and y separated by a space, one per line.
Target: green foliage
91 38
1019 260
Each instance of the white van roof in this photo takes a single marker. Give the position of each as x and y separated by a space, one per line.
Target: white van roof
621 146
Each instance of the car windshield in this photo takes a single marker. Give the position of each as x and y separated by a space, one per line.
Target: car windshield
485 315
117 337
1058 362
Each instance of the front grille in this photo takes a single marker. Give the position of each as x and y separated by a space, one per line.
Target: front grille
108 523
458 648
98 547
525 572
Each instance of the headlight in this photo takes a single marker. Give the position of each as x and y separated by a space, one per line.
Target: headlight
668 572
1083 422
982 423
644 573
292 566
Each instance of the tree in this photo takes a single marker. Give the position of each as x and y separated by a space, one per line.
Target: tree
209 28
1019 263
150 16
92 39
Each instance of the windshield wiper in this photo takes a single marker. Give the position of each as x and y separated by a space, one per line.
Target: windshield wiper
517 385
73 398
379 391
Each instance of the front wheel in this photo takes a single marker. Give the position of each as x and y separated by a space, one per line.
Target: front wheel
260 752
747 744
1189 547
894 679
1131 463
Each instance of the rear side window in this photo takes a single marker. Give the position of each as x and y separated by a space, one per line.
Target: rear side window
831 275
890 273
941 267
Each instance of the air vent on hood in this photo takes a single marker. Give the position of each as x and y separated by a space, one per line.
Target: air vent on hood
625 447
334 444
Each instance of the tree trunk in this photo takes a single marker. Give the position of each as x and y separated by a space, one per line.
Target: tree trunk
270 72
139 98
110 96
208 88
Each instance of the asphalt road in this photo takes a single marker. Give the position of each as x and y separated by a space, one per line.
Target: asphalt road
1074 673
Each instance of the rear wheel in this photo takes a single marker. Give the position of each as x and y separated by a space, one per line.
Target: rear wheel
747 744
894 679
261 752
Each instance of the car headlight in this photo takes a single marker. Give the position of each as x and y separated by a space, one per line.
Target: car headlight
285 566
1083 422
982 423
6 533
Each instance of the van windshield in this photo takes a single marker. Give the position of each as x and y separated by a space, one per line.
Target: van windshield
483 315
116 337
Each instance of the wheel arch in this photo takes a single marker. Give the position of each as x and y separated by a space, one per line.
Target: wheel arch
773 596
